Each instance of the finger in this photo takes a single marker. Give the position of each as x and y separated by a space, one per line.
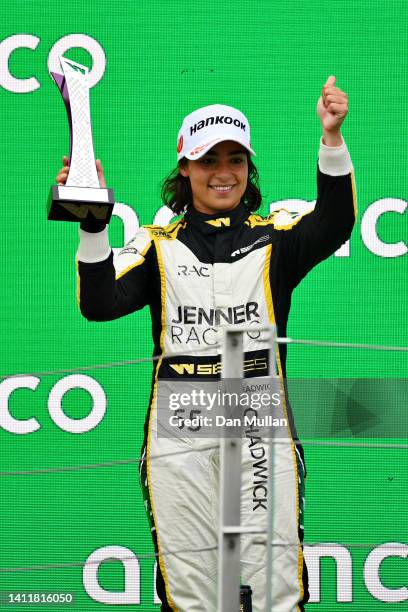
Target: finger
337 98
333 91
62 177
337 109
101 176
330 81
65 160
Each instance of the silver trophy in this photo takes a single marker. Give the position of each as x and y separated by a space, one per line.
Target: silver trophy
81 197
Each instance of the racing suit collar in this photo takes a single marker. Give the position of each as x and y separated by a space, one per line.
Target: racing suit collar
220 222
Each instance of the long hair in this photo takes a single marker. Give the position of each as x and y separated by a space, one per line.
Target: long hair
177 195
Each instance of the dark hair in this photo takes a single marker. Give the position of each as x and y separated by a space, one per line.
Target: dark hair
177 195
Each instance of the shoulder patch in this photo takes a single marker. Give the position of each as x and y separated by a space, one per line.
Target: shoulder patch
168 232
133 253
284 215
258 221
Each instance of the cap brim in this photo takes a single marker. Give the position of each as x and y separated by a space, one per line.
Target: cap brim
204 148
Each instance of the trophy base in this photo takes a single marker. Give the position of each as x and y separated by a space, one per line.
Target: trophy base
80 203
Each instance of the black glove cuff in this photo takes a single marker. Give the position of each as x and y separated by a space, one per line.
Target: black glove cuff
93 226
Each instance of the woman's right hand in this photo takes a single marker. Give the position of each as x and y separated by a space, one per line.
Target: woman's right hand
62 175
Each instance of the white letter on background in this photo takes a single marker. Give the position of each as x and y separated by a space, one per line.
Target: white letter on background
372 572
131 594
7 46
8 422
77 381
83 42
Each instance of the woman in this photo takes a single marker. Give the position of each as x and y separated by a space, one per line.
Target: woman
219 264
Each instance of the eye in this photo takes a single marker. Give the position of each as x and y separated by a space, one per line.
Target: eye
238 160
207 161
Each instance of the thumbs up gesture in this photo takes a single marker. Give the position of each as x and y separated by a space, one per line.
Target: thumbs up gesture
332 106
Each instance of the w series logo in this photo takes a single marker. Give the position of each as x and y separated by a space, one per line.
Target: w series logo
221 221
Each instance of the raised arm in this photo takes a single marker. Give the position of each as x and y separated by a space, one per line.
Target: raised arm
318 234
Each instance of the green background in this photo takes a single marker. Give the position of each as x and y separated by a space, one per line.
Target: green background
164 59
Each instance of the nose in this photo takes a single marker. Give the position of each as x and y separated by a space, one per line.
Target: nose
223 169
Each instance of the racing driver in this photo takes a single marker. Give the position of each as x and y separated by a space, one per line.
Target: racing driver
219 264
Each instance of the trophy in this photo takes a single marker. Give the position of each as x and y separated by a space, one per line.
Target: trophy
81 197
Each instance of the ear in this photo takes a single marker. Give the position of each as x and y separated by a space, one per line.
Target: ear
184 170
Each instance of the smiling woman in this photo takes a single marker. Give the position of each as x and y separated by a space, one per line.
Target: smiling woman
215 171
219 178
219 265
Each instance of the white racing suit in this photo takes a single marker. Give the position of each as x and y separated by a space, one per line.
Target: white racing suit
196 275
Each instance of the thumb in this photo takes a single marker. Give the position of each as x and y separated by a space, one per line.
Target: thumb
100 172
331 81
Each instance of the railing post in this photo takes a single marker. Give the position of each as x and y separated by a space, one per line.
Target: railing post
274 383
229 566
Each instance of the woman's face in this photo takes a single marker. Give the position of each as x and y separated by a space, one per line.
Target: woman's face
219 178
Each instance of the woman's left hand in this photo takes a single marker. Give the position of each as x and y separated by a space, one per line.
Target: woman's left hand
332 106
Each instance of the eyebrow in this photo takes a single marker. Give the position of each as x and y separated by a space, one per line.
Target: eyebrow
232 153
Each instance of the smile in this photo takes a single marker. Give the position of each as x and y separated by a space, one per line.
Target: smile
222 188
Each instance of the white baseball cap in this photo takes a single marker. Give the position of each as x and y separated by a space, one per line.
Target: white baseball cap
207 126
